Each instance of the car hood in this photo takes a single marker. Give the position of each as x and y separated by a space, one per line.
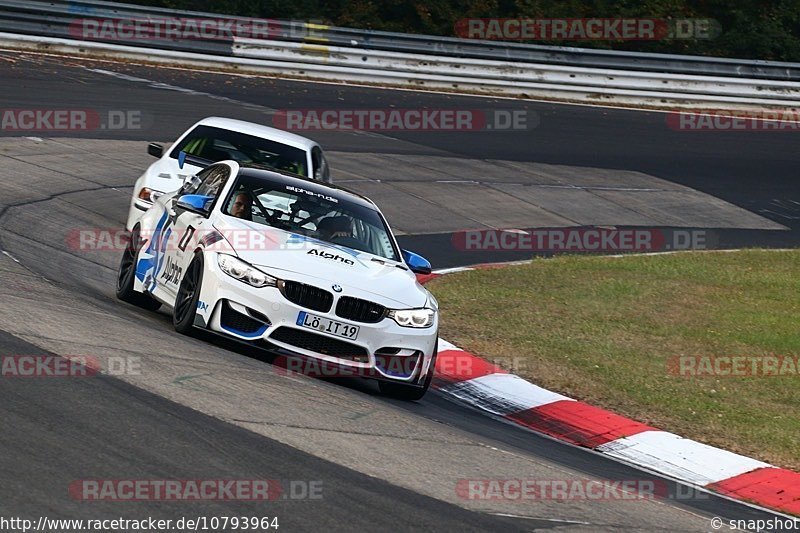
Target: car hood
166 176
296 257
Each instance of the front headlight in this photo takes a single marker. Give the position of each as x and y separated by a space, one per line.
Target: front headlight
150 195
413 318
236 268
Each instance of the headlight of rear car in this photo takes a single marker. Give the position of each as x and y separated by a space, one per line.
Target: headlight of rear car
236 268
150 195
413 318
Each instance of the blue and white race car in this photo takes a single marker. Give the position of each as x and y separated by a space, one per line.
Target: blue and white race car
294 265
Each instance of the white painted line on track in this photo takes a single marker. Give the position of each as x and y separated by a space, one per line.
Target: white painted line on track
10 256
169 87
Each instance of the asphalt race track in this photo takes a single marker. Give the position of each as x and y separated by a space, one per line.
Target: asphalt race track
209 409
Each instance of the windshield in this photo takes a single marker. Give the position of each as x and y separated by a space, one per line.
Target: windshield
216 144
310 211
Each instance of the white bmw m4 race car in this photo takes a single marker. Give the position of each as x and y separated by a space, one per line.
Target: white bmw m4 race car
292 265
217 139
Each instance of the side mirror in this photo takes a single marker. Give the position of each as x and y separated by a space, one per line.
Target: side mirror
155 149
196 203
417 263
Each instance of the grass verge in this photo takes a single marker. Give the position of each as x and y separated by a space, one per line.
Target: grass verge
609 331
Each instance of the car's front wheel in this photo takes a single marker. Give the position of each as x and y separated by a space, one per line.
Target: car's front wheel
185 308
127 274
403 391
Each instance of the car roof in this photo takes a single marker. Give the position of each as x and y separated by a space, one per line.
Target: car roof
308 184
259 130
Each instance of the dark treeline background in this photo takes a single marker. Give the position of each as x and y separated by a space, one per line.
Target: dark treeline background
754 29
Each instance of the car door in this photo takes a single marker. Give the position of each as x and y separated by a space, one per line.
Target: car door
185 228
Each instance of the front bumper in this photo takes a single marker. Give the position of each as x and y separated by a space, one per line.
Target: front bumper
264 316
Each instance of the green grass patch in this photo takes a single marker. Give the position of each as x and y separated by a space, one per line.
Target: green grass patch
604 330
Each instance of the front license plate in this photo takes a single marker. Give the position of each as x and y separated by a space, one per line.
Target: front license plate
326 325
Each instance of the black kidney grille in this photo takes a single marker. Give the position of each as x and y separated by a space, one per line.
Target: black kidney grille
318 343
359 310
307 296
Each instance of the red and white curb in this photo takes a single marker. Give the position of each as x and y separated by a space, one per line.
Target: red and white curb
489 388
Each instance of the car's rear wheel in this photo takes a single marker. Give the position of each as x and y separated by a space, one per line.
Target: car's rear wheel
403 391
185 308
127 274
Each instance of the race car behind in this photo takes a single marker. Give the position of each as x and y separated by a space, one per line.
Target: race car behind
215 139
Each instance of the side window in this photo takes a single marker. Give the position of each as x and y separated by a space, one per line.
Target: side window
213 181
197 180
320 171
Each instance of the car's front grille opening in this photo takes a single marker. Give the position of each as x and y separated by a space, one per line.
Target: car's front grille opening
359 310
237 322
400 366
320 344
258 316
307 296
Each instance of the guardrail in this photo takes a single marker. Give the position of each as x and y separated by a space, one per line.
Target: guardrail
303 49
